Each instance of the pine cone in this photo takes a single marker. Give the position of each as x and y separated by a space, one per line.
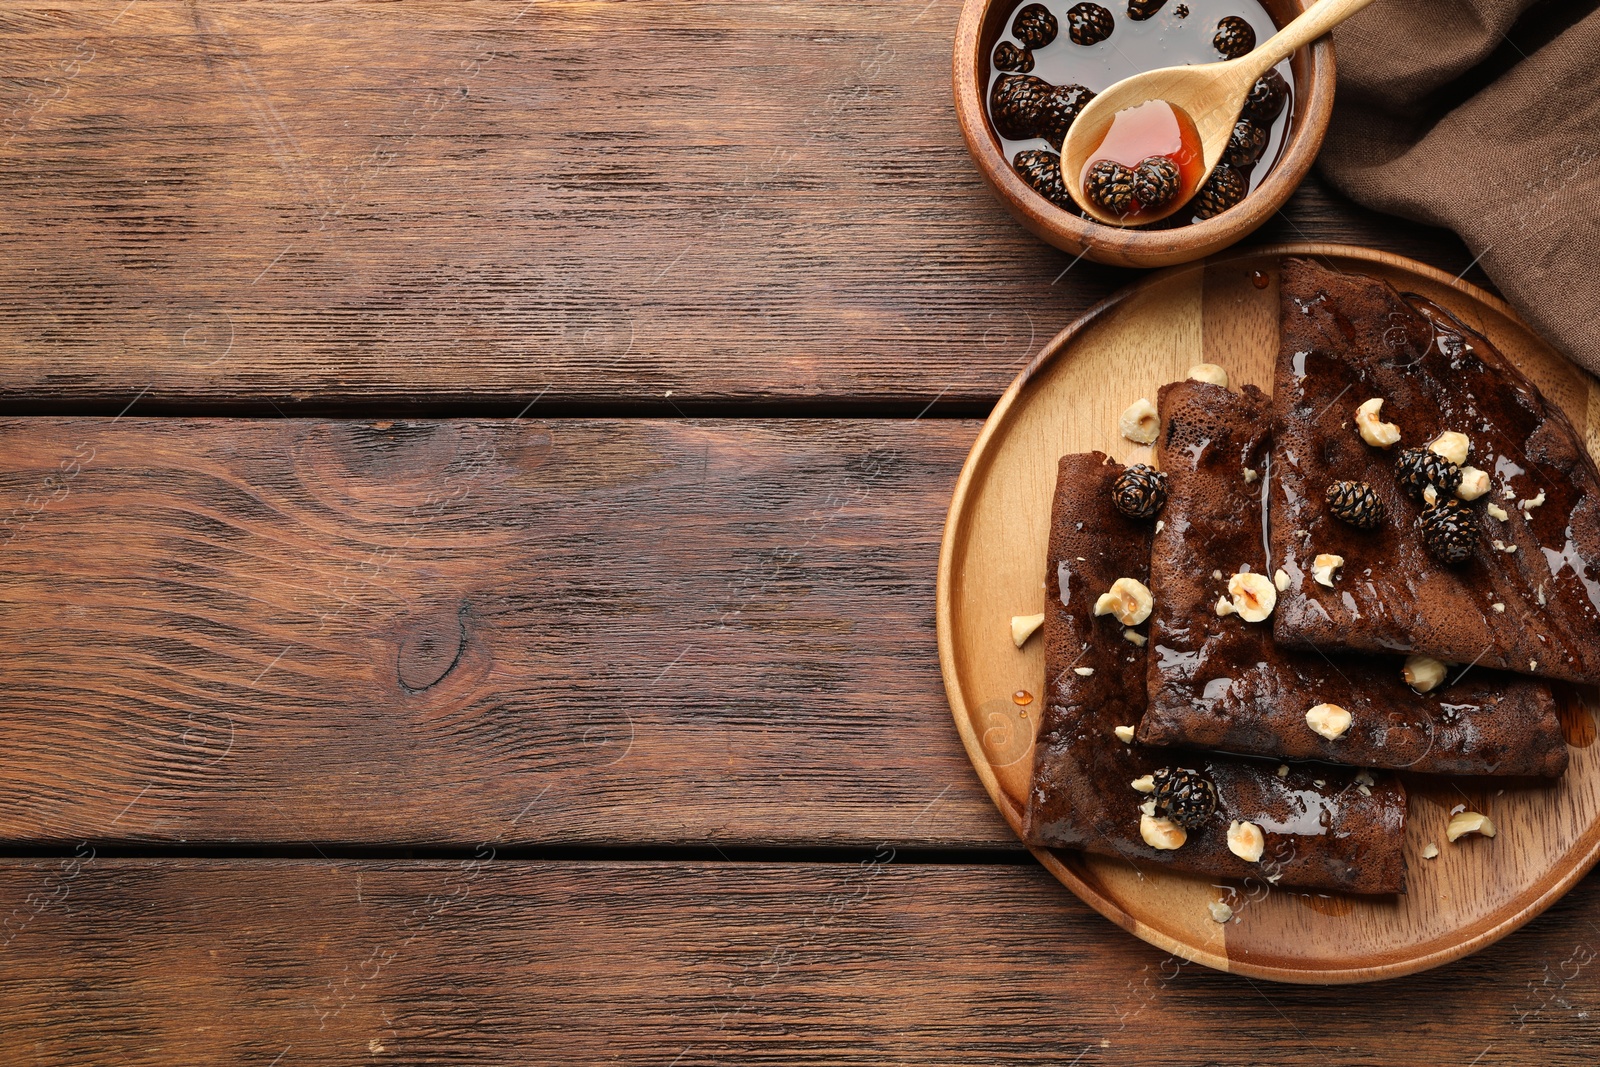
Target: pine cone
1418 468
1245 144
1234 37
1042 171
1008 56
1266 99
1034 26
1059 111
1139 10
1156 183
1187 796
1222 190
1109 187
1449 531
1140 491
1014 105
1089 23
1357 504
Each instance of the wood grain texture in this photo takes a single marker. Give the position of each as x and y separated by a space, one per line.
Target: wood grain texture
320 206
447 632
989 570
869 963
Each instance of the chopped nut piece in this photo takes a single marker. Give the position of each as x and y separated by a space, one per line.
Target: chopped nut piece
1498 606
1224 606
1161 833
1474 483
1220 911
1216 576
1124 734
1501 546
1430 850
1161 524
1323 566
1452 446
1364 790
1129 600
1430 495
1497 512
1329 720
1246 841
1140 423
1253 595
1134 637
1147 784
1508 493
1083 672
1024 626
1208 372
1280 579
1149 808
1283 770
1540 594
1468 822
1374 431
1365 778
1423 673
1250 475
1533 664
1532 502
1319 783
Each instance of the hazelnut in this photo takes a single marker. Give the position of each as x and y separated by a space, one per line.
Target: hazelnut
1423 673
1246 841
1430 850
1323 566
1140 423
1497 512
1147 784
1374 431
1129 600
1452 446
1124 734
1221 911
1208 372
1329 720
1024 626
1280 579
1253 595
1083 672
1161 833
1468 822
1474 483
1133 637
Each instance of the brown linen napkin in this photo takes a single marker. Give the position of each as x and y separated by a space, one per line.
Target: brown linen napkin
1512 165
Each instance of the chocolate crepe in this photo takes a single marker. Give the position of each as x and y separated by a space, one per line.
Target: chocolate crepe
1348 338
1324 828
1220 682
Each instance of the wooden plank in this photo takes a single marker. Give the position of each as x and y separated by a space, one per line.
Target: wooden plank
444 632
152 962
355 203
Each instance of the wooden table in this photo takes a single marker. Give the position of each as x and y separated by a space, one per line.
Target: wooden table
473 476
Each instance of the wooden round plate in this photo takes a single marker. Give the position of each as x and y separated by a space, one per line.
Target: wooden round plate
991 567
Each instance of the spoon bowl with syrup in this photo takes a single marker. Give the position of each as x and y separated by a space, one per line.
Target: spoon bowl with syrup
1162 132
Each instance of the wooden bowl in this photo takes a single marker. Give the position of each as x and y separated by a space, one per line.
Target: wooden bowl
982 23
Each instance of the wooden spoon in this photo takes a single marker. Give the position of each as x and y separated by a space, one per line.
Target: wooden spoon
1212 94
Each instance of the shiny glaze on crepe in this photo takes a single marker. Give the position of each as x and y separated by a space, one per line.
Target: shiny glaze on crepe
1348 338
1223 683
1328 836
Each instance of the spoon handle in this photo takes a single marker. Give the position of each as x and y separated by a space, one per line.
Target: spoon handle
1317 20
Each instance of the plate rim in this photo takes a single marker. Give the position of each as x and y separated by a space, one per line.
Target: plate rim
978 458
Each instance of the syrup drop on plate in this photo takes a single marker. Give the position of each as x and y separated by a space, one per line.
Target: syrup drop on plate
1258 279
1022 697
1153 128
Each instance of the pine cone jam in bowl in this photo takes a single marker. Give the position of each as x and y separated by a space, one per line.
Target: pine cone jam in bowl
1024 69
